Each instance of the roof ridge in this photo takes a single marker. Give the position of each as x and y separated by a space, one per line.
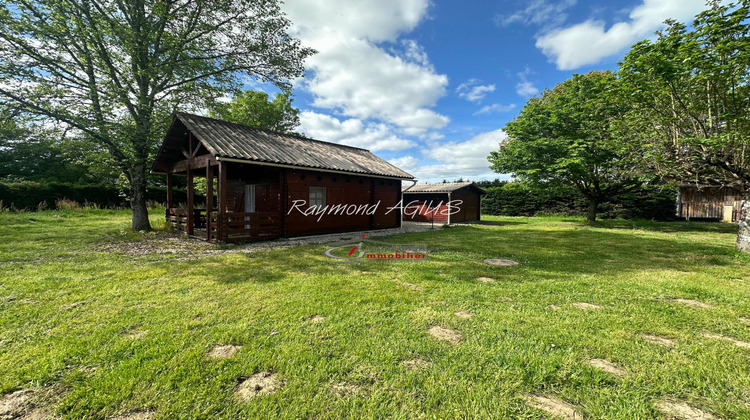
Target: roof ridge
299 136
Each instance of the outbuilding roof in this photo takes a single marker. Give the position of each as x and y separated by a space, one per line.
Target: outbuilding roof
224 139
443 187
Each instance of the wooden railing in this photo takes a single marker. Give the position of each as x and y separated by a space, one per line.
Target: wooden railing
243 227
178 218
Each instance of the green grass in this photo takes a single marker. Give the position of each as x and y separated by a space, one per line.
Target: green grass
514 344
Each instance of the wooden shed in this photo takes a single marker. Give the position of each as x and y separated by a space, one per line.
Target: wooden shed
429 202
261 176
709 203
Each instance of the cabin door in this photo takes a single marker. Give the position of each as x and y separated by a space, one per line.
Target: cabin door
249 205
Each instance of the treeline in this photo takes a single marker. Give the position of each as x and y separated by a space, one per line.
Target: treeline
654 202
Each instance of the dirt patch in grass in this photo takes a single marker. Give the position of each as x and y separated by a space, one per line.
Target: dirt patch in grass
463 314
135 415
607 366
692 303
73 305
16 404
736 342
681 410
136 334
586 306
554 307
501 262
553 406
261 383
345 389
416 364
745 321
316 319
657 339
222 351
486 279
446 334
409 285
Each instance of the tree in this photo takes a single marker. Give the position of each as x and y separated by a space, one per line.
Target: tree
563 138
114 70
690 120
254 109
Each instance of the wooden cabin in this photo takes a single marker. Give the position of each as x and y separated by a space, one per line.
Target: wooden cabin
428 202
261 176
709 203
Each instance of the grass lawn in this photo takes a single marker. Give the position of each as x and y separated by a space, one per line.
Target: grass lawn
96 333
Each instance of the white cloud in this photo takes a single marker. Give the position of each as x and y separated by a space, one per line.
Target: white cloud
488 109
467 159
407 163
538 12
590 42
352 132
353 75
474 92
525 88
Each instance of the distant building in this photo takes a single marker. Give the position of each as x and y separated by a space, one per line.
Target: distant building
709 203
430 202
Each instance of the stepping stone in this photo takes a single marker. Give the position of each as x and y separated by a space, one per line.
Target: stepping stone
261 383
657 339
486 279
136 334
553 406
692 303
409 285
682 411
14 405
554 307
223 352
446 334
607 366
501 262
463 314
345 389
736 342
745 321
586 306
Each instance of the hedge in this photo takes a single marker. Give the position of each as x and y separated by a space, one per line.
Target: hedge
656 202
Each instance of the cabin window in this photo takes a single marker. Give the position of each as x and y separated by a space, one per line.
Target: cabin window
317 196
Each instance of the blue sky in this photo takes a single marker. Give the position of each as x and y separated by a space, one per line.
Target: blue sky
429 85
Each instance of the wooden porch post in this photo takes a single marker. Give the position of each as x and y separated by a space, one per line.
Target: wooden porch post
170 184
283 200
222 201
190 197
209 198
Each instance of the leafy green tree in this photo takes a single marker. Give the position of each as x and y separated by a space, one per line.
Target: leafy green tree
254 109
563 138
113 71
690 96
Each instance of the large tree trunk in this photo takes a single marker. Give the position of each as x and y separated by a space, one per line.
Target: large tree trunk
138 200
743 237
591 212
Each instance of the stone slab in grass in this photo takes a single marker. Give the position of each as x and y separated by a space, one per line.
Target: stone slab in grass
345 389
446 334
658 339
261 383
222 351
682 411
501 262
736 342
486 279
409 285
745 321
607 366
553 406
317 319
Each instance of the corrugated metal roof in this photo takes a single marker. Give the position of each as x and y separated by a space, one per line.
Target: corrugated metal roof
443 187
230 140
